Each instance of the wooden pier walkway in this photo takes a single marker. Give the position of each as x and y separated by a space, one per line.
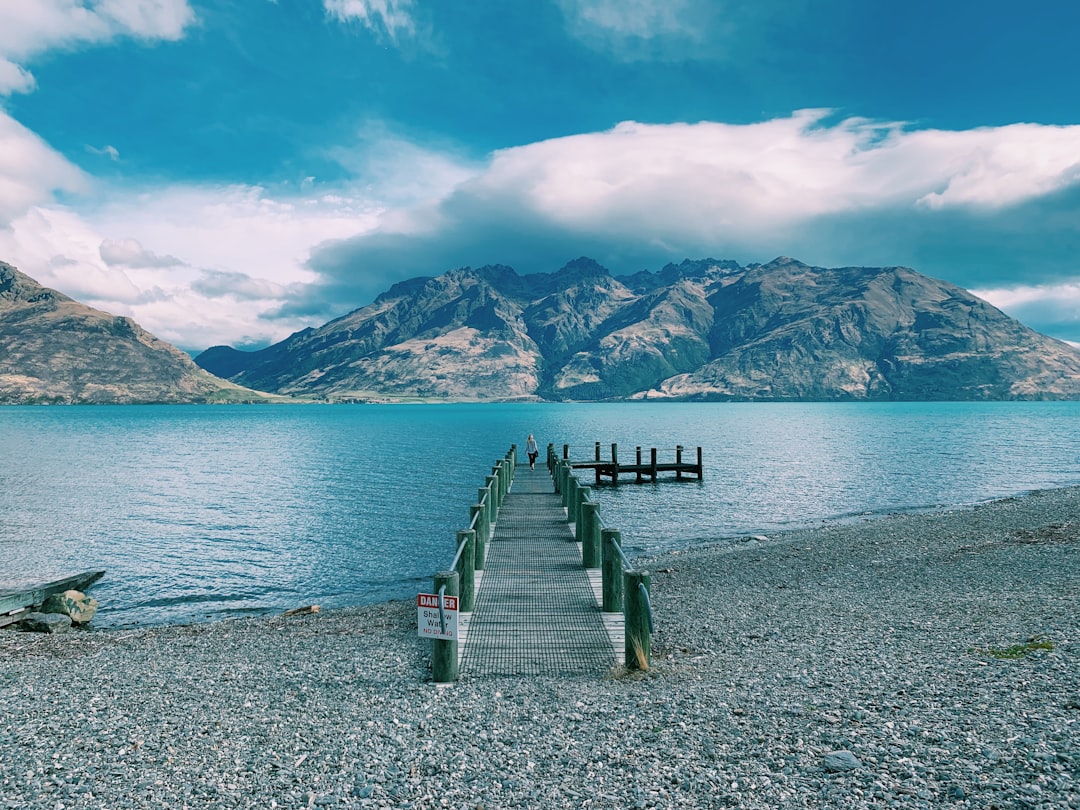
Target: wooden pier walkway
642 470
537 609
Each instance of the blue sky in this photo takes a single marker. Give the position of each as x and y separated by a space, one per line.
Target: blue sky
231 171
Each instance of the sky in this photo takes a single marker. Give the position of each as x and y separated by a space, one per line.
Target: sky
231 171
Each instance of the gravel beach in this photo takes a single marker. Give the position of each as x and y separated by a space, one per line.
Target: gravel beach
928 660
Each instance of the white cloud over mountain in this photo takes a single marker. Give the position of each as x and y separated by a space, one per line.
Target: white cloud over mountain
201 264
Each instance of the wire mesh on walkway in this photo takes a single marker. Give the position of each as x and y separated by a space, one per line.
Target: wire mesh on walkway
535 612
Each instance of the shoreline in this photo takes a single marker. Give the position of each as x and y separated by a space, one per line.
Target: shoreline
878 637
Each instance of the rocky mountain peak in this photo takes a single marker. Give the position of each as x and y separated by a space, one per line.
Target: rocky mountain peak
18 288
54 349
700 329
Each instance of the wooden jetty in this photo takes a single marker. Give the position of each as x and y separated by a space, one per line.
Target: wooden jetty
17 602
540 585
640 469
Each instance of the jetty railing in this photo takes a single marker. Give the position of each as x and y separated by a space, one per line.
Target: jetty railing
460 578
623 587
609 466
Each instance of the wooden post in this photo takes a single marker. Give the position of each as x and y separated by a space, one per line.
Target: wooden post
614 463
571 498
583 495
596 456
551 458
493 487
652 461
700 466
637 462
444 652
638 638
590 538
611 571
566 451
678 462
481 540
467 568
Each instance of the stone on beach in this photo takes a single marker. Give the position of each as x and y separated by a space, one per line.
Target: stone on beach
45 623
838 761
76 605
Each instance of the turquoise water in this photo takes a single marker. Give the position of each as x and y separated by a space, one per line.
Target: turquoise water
204 512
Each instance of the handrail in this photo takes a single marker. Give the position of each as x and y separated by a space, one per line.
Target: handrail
622 555
457 557
639 621
462 571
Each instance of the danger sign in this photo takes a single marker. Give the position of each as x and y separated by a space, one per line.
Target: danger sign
427 616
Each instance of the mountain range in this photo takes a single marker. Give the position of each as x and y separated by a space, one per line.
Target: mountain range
699 330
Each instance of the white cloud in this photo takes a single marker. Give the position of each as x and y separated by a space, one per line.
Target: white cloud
391 17
224 259
130 253
681 30
680 182
109 151
30 171
30 28
632 18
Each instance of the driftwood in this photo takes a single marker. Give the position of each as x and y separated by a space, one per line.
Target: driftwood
15 602
302 610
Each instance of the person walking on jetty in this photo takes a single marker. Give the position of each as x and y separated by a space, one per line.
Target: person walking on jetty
532 451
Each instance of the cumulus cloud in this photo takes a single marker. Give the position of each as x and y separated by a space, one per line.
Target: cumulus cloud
239 286
130 253
225 260
966 206
392 18
30 28
30 170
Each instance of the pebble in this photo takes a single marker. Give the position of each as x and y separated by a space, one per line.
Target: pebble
868 639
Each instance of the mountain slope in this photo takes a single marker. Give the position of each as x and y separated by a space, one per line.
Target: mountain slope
56 350
698 330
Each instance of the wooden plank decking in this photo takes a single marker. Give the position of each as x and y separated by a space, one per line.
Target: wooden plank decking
537 609
16 602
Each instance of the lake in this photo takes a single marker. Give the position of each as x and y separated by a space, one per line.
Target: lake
204 512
